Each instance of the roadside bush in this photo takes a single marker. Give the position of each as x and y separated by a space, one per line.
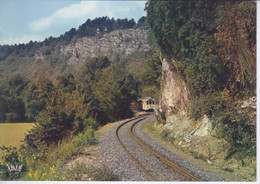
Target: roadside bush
43 162
62 151
82 123
86 138
239 131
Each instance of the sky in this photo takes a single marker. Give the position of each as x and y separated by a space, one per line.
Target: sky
24 20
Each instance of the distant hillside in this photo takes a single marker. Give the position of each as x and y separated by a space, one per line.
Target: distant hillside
105 63
101 36
119 41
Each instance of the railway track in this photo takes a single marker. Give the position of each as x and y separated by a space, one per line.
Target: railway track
154 165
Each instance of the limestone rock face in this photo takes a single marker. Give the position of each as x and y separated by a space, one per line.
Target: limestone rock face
124 41
174 101
174 105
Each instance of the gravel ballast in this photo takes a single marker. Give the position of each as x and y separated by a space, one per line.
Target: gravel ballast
167 153
117 160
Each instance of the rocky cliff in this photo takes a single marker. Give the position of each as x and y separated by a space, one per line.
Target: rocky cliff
174 99
124 41
175 103
197 138
174 106
55 56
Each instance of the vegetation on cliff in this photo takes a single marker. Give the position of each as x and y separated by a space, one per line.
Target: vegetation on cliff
214 46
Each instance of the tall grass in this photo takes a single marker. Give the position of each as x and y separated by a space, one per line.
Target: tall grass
50 166
66 149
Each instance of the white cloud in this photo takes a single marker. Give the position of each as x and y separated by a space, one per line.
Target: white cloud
77 14
21 39
66 14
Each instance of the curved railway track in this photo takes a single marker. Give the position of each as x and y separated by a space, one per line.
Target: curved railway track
144 154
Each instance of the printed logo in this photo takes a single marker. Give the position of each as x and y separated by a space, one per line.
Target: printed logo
15 168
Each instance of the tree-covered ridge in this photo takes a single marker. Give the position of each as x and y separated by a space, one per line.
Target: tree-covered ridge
58 55
95 27
213 44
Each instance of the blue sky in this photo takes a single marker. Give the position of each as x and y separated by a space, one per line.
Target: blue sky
25 20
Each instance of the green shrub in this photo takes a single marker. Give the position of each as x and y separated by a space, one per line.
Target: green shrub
205 104
4 173
81 123
39 159
86 138
239 131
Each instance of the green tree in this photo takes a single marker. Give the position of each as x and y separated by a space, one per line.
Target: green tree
55 122
66 82
108 89
12 108
114 92
37 94
151 76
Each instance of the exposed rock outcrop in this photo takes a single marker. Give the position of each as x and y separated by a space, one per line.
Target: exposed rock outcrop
174 105
174 99
199 139
124 41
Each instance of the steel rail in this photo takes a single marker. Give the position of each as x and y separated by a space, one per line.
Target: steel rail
162 158
152 177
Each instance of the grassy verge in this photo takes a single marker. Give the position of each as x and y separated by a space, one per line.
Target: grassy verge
229 170
50 164
86 171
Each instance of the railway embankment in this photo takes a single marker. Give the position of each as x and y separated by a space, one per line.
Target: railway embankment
117 159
